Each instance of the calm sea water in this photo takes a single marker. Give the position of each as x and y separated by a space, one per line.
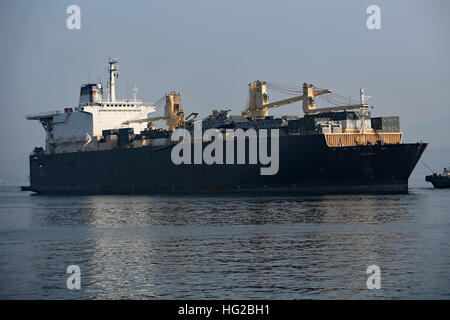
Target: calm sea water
212 247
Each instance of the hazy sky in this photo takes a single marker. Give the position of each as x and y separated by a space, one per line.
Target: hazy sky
210 50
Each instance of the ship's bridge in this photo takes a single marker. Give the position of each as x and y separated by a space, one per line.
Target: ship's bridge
69 130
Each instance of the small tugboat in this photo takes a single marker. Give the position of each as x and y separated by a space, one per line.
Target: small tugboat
441 180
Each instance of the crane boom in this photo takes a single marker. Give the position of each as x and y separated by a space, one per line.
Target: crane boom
283 102
258 104
144 120
293 99
173 114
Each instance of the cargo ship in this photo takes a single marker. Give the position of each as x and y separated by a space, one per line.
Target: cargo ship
111 146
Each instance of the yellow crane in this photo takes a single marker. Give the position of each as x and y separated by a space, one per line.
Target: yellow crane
258 104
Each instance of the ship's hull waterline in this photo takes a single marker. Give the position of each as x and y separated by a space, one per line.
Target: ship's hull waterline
307 165
438 181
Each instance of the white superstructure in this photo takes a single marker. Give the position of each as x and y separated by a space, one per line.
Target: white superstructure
69 131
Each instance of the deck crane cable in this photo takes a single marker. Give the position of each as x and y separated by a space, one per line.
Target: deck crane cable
284 88
289 89
138 116
331 98
432 171
159 102
285 92
333 101
283 85
337 97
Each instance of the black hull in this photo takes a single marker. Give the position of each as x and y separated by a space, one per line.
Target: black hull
307 166
438 182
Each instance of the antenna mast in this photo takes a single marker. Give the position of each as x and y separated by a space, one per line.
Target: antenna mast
113 73
135 90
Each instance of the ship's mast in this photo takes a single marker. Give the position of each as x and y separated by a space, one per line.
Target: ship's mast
113 73
135 90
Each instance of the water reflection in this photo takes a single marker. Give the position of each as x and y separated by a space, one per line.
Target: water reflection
108 211
217 246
